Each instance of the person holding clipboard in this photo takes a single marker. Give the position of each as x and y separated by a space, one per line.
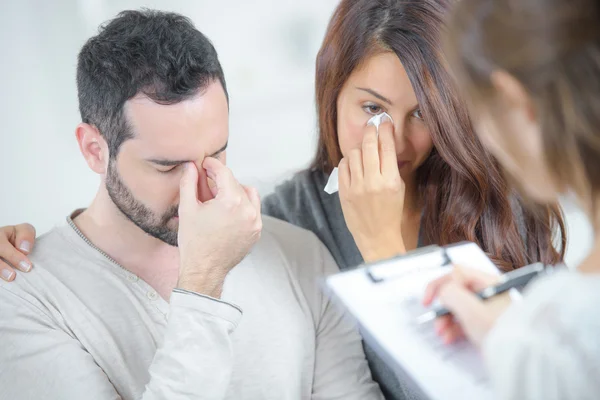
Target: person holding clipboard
531 72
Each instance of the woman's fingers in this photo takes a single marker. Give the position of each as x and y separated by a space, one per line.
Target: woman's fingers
356 168
344 176
387 151
370 154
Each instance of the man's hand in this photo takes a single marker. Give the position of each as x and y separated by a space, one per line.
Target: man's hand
16 242
471 317
215 235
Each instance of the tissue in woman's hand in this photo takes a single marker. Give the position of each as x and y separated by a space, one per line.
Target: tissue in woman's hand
332 185
376 120
333 182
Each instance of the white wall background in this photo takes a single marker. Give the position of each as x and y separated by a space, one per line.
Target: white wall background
267 49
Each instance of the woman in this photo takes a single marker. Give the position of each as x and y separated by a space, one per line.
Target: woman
425 179
531 69
384 56
440 187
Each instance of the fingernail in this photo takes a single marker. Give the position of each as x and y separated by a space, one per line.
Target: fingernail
7 274
24 266
25 246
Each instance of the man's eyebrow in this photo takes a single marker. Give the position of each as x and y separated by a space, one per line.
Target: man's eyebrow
374 93
171 163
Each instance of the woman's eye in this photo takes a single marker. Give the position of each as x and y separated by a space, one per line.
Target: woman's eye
417 114
372 109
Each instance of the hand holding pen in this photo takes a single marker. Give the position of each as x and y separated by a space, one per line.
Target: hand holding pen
473 301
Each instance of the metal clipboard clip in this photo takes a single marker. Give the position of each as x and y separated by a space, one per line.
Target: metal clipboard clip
430 257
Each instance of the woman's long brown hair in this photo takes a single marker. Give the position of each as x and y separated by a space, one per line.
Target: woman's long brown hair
463 191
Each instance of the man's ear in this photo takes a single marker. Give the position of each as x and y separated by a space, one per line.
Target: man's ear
93 147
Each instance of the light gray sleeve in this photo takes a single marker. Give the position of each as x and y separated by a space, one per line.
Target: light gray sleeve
341 370
547 346
41 360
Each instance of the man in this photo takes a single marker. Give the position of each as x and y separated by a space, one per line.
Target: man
113 308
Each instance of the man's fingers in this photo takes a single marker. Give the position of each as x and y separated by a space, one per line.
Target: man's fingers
225 182
253 196
204 191
24 238
212 186
188 187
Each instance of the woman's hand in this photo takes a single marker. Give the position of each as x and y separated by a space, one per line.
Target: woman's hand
16 242
471 317
372 195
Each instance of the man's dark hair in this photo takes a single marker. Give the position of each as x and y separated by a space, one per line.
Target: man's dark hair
159 54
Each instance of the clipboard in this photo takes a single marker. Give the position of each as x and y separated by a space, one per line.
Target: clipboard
385 299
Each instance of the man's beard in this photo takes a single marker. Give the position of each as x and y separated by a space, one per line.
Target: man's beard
138 213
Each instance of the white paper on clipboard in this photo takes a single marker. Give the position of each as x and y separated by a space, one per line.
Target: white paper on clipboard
386 313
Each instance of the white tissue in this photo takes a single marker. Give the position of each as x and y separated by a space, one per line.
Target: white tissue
332 185
333 182
376 120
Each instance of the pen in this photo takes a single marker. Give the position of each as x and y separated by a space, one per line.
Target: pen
510 280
